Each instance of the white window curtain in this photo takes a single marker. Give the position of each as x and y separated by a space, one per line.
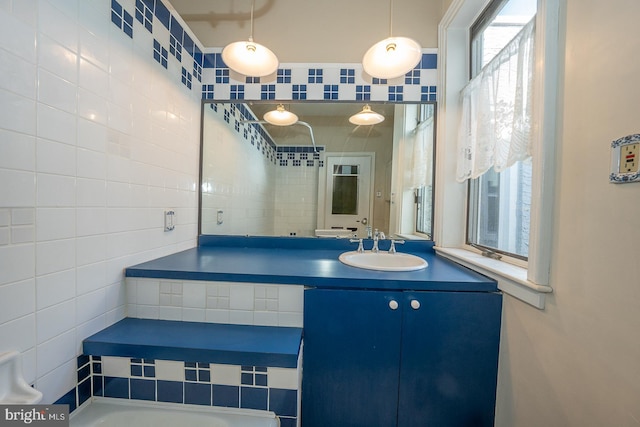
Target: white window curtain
421 159
495 127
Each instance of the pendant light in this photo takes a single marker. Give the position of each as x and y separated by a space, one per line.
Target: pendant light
250 58
366 117
280 117
393 56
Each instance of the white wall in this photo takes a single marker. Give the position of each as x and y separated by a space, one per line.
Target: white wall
96 140
577 363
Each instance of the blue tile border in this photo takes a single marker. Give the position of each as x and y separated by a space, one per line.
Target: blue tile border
254 393
293 81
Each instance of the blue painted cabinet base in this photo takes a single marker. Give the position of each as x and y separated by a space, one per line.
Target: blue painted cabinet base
366 364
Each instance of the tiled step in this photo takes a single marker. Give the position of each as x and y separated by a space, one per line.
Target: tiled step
195 341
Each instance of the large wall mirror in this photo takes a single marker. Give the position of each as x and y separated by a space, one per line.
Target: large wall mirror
322 176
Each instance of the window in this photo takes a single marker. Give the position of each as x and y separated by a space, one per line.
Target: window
525 281
499 199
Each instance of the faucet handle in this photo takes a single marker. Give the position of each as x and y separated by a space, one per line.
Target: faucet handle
359 242
392 249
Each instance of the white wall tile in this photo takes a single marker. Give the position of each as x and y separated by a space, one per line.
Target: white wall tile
147 312
16 263
91 48
25 234
18 113
293 320
17 37
23 216
19 334
55 190
21 192
29 361
57 382
94 78
55 157
57 59
240 317
170 313
90 306
116 366
90 277
55 256
91 221
53 321
225 374
16 300
291 298
92 106
115 296
92 164
17 151
194 294
91 192
265 318
57 92
5 236
56 352
55 223
241 297
193 315
55 288
148 292
286 378
92 135
217 316
169 370
19 76
89 328
56 125
91 249
57 25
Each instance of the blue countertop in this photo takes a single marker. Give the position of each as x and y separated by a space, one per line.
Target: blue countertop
198 342
307 261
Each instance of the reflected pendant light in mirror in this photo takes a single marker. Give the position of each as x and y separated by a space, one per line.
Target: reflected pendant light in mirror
250 58
366 117
392 57
280 117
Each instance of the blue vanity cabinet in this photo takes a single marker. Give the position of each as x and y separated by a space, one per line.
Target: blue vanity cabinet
350 361
399 358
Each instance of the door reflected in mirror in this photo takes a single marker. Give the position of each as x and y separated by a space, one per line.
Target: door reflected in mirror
321 176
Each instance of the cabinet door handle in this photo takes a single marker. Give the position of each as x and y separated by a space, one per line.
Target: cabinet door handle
415 304
393 304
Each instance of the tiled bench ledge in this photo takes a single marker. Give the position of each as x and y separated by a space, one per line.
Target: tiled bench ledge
195 341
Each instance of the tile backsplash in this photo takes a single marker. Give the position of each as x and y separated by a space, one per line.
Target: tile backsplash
215 302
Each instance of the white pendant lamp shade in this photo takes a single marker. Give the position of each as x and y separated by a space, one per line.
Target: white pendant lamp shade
250 58
280 117
366 117
392 57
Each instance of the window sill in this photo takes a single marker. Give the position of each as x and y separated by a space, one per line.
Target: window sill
511 279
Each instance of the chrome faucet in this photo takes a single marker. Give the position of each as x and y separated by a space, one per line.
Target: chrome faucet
359 242
377 235
392 249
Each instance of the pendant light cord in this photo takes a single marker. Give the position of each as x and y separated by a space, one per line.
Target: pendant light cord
253 3
390 18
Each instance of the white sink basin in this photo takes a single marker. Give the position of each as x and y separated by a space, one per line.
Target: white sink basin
383 261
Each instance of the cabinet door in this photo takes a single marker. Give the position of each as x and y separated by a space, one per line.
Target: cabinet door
449 359
351 357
